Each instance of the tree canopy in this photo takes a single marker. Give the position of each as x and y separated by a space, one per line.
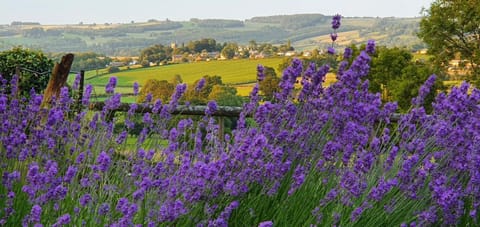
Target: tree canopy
450 28
395 75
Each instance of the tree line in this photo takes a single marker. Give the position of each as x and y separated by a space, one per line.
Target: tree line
159 53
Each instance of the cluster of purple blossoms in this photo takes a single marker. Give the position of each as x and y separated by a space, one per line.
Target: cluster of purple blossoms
336 21
201 83
110 87
135 88
333 36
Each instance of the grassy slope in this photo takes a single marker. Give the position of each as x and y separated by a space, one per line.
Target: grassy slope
232 72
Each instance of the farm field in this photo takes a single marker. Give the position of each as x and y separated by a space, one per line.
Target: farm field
232 72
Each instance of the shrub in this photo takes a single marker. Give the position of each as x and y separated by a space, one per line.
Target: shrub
29 59
113 69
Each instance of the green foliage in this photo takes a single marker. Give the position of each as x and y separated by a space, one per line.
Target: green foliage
203 44
113 69
156 54
225 96
89 61
397 77
229 50
386 68
200 97
160 89
412 77
145 63
451 27
30 59
269 86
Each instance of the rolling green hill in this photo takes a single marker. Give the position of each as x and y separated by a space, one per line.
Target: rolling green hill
233 72
305 31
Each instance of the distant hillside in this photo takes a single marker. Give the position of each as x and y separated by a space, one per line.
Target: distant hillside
305 31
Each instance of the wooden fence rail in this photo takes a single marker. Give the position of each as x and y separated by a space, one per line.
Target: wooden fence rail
222 111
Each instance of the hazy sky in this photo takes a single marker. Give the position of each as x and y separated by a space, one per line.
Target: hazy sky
109 11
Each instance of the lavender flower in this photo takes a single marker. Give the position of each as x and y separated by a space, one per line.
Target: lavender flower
200 84
71 172
260 72
110 87
104 209
148 98
63 220
265 224
121 137
298 177
87 94
347 54
211 108
333 36
331 50
85 199
424 90
336 21
76 82
135 88
370 48
103 160
35 214
113 102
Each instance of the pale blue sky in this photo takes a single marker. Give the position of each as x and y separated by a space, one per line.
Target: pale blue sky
108 11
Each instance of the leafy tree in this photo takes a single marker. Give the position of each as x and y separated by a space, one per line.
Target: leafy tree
156 53
90 61
145 63
450 27
113 69
229 50
195 96
29 59
160 89
269 85
386 68
225 96
397 77
413 76
203 44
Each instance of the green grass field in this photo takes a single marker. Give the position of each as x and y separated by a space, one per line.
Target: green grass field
239 73
232 72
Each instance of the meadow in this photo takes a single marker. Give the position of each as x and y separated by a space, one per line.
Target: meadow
232 72
316 156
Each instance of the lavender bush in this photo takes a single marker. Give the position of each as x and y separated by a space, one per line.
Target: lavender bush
317 156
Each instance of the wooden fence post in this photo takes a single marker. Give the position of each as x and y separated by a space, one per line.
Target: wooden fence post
57 79
19 74
80 91
221 127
